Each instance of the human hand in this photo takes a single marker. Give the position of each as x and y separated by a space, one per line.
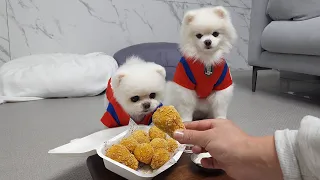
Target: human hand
240 155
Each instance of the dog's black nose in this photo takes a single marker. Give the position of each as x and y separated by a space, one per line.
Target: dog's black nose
207 42
146 105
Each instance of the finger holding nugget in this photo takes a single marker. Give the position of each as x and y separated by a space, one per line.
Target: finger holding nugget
168 120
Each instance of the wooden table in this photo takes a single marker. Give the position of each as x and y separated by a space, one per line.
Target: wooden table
183 170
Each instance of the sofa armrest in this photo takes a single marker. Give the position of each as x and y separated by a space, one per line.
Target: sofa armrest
258 21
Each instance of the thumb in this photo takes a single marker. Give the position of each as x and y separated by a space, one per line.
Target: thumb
194 137
211 163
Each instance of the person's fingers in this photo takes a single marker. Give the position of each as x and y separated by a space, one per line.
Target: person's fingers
197 149
200 125
207 163
210 163
194 137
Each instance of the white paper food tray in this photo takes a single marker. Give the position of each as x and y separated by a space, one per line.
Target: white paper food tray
87 145
127 172
98 142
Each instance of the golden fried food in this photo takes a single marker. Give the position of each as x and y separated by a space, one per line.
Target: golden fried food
155 132
144 153
160 157
167 119
122 155
172 145
159 143
141 136
130 143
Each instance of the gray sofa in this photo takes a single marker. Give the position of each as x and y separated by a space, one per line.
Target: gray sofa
284 35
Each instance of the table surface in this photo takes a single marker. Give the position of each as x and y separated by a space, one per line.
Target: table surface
183 170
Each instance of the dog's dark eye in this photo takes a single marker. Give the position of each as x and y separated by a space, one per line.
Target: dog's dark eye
215 34
199 36
135 98
152 95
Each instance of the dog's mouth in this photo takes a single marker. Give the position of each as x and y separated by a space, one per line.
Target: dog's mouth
208 47
146 111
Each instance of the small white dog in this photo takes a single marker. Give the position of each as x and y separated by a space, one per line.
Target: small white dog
202 81
135 91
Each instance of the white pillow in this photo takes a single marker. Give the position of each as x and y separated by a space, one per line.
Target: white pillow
55 75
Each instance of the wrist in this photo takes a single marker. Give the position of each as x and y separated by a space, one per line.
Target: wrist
264 157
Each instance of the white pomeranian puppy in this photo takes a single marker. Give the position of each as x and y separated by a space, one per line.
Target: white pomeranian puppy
135 91
202 81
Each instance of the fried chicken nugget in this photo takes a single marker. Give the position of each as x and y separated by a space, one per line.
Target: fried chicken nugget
172 145
144 153
130 143
141 136
167 119
155 132
159 143
160 157
122 155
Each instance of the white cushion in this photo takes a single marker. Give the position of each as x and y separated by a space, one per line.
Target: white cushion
55 75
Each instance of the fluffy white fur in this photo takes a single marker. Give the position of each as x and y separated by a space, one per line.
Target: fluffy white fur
138 78
203 21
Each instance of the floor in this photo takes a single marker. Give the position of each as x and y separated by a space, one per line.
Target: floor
28 130
267 109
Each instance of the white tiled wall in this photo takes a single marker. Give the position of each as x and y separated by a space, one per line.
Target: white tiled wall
4 38
82 26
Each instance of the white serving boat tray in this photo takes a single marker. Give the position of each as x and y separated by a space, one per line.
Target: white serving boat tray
98 142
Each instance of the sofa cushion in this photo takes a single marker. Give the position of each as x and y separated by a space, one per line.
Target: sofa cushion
292 37
293 9
162 53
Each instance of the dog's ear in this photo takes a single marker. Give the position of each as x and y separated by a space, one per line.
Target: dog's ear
221 12
161 71
116 80
188 17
